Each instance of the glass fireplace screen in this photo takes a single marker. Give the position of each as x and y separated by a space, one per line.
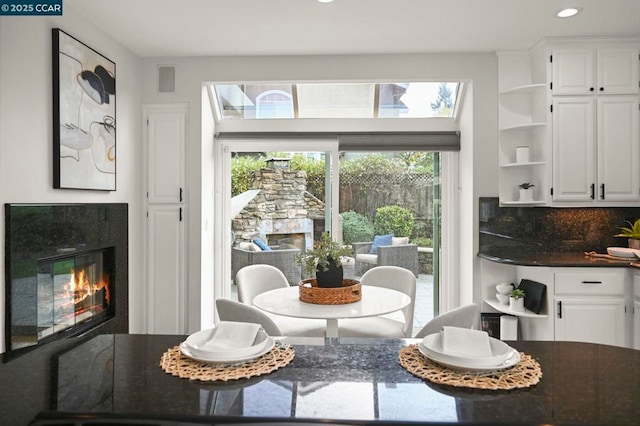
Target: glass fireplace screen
72 293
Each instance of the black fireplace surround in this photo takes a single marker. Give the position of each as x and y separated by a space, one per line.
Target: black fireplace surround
45 246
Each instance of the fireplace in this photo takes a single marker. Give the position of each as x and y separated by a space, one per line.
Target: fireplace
65 272
72 292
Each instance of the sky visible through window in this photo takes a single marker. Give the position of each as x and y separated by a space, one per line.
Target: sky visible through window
336 100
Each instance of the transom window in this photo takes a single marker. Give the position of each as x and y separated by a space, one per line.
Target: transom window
335 100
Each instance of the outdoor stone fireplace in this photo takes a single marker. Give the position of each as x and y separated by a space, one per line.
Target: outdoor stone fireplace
282 212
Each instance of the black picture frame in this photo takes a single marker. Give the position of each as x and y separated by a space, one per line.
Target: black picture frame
84 116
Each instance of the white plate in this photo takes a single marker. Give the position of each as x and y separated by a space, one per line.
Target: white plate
504 356
196 343
185 350
622 252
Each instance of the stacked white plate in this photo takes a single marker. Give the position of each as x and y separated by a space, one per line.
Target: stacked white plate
502 355
623 252
229 343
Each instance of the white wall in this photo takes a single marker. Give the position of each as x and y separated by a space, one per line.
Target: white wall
477 177
26 170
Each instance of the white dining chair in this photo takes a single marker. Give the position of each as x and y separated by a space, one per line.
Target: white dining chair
467 316
252 280
230 310
394 325
255 279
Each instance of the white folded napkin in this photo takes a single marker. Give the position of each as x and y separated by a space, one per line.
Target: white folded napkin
230 335
466 342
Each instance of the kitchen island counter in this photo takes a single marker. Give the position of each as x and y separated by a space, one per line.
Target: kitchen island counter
338 381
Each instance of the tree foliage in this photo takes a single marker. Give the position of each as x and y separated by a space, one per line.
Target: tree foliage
394 220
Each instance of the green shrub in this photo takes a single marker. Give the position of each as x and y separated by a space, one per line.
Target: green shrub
356 228
394 220
241 169
422 242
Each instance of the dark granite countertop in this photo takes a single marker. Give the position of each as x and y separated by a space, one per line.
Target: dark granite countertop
515 257
357 380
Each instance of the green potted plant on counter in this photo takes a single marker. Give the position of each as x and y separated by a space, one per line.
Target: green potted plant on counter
326 260
632 232
516 300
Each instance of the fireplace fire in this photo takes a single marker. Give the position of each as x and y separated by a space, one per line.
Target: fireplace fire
72 290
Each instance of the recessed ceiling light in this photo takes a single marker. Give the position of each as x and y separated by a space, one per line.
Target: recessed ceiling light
325 1
568 12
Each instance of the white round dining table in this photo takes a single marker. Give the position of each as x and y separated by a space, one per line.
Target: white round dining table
375 301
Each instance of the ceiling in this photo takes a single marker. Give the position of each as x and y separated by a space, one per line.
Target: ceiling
153 28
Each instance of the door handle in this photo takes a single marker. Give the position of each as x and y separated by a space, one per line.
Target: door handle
602 191
591 282
593 191
560 309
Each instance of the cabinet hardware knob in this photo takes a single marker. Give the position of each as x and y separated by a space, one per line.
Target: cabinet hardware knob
591 282
602 89
591 89
593 191
602 191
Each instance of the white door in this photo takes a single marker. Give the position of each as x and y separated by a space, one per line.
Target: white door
618 148
618 71
165 270
591 320
166 134
573 71
574 150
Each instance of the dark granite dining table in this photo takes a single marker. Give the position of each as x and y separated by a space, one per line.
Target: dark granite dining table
335 381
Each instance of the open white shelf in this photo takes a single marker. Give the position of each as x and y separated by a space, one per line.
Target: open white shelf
527 88
522 203
524 126
532 163
505 310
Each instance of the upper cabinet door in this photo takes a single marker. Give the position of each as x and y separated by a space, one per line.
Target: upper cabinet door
166 135
573 71
618 71
618 148
574 149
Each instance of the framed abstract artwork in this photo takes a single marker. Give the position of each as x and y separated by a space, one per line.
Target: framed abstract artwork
84 116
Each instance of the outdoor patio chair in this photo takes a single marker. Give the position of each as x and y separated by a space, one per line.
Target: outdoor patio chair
398 254
283 259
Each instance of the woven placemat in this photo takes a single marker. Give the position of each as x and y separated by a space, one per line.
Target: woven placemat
179 365
522 375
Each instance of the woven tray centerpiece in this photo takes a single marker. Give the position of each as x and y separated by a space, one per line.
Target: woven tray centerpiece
349 292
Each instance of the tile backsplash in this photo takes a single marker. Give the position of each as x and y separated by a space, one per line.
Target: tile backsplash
551 230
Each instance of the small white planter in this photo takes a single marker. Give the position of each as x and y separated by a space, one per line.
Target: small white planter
516 304
526 194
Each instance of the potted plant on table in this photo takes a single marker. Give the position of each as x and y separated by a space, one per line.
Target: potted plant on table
325 260
632 232
526 193
516 300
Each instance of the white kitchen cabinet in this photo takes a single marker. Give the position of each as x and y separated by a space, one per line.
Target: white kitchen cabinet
596 148
166 291
590 306
166 135
636 311
165 302
584 70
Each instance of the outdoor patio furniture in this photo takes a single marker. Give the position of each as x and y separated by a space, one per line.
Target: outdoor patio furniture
402 255
283 259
